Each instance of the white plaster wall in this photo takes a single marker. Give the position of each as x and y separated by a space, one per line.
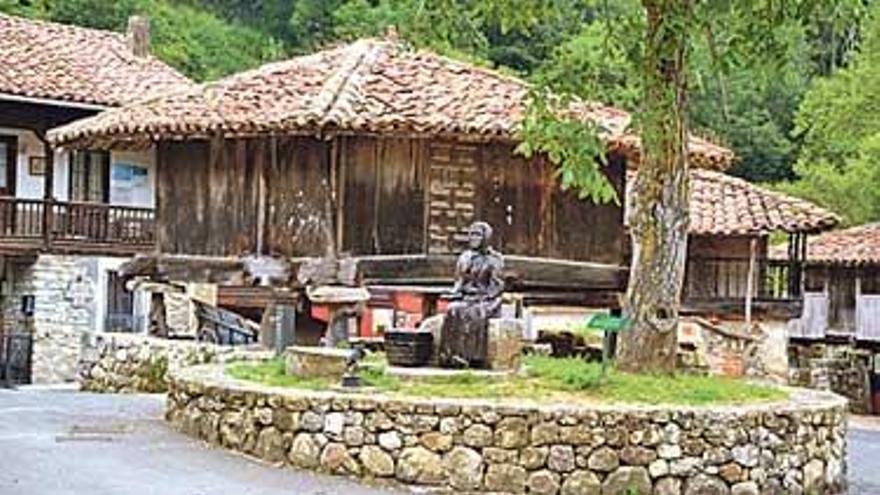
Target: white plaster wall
31 187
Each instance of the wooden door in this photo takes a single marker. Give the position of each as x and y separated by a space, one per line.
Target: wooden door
453 173
8 156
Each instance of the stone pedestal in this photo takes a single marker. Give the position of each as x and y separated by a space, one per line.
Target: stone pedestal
344 304
433 325
316 362
505 343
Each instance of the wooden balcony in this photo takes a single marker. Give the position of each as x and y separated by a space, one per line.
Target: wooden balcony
720 286
30 226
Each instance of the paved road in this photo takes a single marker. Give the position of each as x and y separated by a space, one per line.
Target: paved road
864 459
61 443
65 442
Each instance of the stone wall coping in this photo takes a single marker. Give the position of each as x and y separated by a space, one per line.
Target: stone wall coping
130 339
213 376
319 351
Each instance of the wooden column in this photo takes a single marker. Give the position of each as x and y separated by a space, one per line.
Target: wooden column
262 191
750 282
337 168
48 192
858 290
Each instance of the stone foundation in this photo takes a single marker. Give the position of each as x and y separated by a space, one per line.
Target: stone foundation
64 289
732 349
798 446
841 368
138 363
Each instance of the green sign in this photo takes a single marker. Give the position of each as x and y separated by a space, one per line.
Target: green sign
608 323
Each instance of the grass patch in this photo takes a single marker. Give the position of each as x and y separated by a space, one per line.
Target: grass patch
548 379
273 373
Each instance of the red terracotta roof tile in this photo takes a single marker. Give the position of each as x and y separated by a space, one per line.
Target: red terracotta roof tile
853 246
369 86
721 204
47 60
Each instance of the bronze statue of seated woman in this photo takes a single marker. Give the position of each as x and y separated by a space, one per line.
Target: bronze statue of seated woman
476 297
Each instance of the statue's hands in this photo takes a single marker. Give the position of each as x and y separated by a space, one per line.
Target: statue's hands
452 295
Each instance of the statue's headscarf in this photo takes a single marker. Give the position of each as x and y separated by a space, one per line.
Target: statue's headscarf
485 229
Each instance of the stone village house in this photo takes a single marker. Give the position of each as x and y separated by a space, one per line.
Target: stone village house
68 218
378 156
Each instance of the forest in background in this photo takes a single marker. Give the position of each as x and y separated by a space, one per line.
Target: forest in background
806 120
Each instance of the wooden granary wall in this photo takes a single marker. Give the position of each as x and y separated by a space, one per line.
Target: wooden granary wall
295 196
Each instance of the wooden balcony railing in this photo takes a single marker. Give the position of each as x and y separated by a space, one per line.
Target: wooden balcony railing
71 226
727 279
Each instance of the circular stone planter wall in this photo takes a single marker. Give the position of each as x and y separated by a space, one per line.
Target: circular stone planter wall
794 447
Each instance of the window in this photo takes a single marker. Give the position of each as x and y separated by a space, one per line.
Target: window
814 279
90 176
870 281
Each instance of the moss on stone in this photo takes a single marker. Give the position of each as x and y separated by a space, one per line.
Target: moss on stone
155 376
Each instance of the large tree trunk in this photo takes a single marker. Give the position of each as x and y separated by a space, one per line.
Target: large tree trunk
659 211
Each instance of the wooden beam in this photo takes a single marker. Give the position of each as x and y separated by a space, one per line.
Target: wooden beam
521 272
783 309
196 269
254 297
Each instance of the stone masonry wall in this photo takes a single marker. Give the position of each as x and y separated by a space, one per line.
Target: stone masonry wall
138 363
841 368
64 310
468 446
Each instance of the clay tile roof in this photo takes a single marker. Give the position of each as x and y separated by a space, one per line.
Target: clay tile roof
369 86
60 62
721 204
858 245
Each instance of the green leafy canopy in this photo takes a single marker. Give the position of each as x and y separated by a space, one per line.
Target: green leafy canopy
574 146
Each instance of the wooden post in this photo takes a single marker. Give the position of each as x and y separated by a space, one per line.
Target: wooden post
330 233
858 290
285 327
261 194
48 192
337 164
750 282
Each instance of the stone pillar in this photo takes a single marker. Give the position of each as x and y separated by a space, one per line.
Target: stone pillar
505 343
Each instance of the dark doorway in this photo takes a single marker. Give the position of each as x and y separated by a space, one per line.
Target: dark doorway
120 305
16 349
8 161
